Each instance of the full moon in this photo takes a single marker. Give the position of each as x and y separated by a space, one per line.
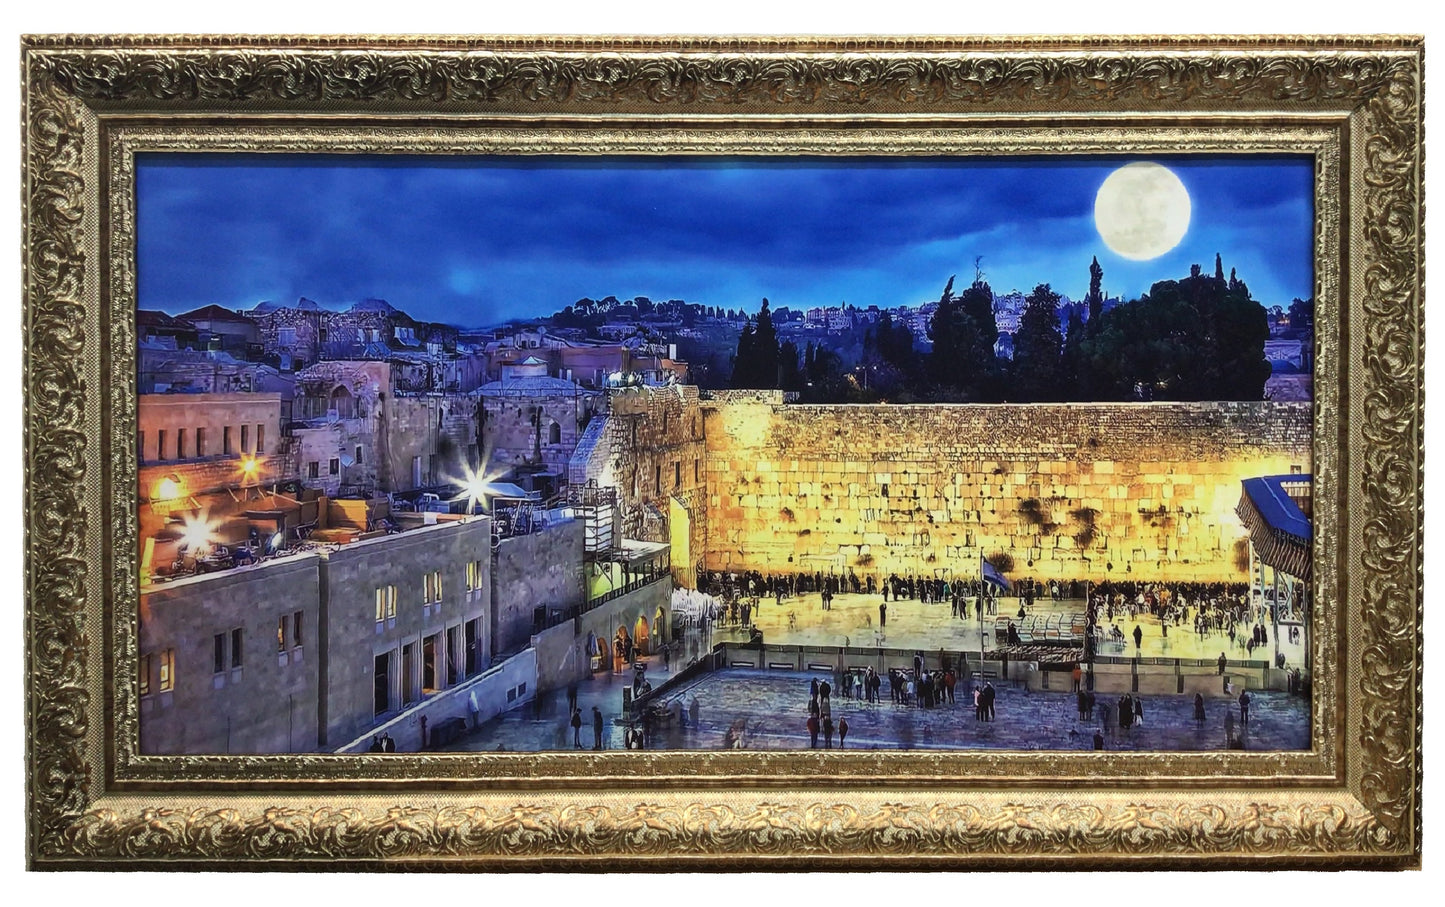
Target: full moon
1142 210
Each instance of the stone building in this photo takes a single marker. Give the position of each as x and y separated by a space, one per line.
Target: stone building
206 452
356 433
314 650
230 331
649 446
531 422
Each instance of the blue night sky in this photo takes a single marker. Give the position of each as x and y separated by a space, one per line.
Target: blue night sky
477 241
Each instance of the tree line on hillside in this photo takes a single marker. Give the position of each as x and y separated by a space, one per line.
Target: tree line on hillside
1198 338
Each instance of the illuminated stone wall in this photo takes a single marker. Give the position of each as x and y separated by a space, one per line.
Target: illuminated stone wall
1135 491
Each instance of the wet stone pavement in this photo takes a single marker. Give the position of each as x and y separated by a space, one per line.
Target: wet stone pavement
770 708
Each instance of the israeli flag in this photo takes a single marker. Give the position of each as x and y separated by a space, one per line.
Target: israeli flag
991 575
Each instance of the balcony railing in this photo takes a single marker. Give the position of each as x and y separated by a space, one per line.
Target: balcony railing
560 616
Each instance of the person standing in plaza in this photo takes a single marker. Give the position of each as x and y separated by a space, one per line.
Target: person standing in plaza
1138 638
596 728
950 679
842 731
883 614
1244 706
576 721
1199 709
1089 704
828 732
1139 710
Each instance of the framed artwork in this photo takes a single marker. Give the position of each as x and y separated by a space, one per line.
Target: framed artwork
511 453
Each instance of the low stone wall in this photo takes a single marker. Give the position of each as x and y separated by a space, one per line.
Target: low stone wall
501 687
560 656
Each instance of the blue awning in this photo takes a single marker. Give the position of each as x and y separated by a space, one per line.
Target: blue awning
1278 528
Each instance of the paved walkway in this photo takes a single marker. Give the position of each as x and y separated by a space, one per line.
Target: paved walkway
853 620
769 707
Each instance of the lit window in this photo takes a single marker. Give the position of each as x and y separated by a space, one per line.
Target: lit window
385 603
168 671
281 635
144 669
431 587
474 575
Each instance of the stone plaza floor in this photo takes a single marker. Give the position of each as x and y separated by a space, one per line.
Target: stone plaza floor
769 708
853 621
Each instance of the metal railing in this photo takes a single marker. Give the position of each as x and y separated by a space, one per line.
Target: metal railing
560 616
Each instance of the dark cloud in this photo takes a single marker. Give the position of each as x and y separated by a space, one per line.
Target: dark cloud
479 240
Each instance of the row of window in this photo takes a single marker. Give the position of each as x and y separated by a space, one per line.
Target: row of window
186 444
431 590
228 651
333 467
426 666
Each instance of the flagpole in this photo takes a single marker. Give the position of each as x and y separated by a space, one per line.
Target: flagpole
982 592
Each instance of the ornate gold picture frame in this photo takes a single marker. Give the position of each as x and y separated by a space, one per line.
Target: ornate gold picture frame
95 801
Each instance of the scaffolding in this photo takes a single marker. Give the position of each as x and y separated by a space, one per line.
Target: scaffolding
596 507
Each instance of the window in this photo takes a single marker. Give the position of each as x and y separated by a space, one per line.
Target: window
358 455
431 587
168 671
226 440
313 470
200 442
286 337
474 575
281 635
140 445
676 473
245 438
161 444
219 663
236 648
657 478
554 433
260 438
334 467
180 444
385 603
664 421
697 471
145 675
296 630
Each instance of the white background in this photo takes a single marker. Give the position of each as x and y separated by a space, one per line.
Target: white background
774 17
